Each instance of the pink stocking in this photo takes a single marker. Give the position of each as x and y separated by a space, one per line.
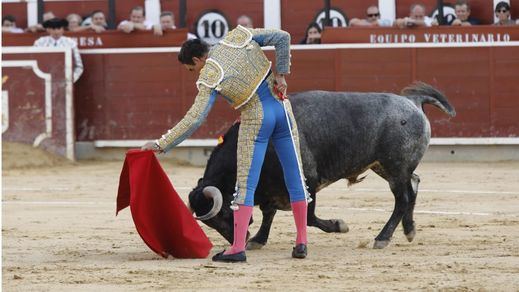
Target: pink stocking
299 209
241 225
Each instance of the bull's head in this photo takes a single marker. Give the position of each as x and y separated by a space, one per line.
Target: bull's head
213 209
211 199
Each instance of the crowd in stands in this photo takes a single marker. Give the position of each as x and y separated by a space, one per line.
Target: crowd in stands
97 21
417 18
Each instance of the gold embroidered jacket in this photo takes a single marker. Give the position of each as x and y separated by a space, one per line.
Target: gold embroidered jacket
234 69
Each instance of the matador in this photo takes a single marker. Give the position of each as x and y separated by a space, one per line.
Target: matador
237 69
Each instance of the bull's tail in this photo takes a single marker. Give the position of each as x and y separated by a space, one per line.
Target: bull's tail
421 93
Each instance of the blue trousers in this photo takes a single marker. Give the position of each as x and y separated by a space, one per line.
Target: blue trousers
263 118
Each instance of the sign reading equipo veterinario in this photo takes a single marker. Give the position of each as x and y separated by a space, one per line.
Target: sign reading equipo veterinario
441 34
388 38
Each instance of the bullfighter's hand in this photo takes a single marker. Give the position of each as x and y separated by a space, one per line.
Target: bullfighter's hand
281 83
152 146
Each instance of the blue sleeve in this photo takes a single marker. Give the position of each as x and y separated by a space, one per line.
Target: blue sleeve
280 40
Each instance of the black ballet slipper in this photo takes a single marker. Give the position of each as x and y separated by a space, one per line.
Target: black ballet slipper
230 258
299 251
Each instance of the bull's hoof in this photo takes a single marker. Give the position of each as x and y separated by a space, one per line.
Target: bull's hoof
343 227
380 244
410 236
252 245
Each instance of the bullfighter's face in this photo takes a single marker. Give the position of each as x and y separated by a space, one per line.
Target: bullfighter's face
199 63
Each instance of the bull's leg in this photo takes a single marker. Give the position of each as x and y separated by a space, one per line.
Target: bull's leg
331 225
407 220
400 189
261 237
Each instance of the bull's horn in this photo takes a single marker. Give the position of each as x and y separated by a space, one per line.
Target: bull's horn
213 193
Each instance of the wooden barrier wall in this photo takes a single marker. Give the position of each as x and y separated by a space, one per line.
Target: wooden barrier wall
109 39
138 93
443 34
38 99
141 95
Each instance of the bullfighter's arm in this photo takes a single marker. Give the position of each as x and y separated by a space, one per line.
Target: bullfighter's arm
191 121
280 40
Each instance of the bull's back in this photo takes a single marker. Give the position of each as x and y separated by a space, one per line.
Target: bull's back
343 133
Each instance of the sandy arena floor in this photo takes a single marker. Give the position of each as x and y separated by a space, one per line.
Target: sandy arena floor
60 233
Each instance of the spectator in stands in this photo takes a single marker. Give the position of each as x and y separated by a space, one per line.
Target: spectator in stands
137 21
372 18
56 28
312 35
244 21
74 23
503 14
463 18
39 27
9 25
167 22
96 21
416 18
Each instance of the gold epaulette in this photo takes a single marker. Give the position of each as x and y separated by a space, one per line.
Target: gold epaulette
211 74
238 37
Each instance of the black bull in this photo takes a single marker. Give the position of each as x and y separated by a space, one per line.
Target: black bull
341 136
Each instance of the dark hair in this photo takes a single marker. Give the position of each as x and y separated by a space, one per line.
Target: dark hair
504 5
461 3
313 25
167 13
190 49
137 8
8 18
55 23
